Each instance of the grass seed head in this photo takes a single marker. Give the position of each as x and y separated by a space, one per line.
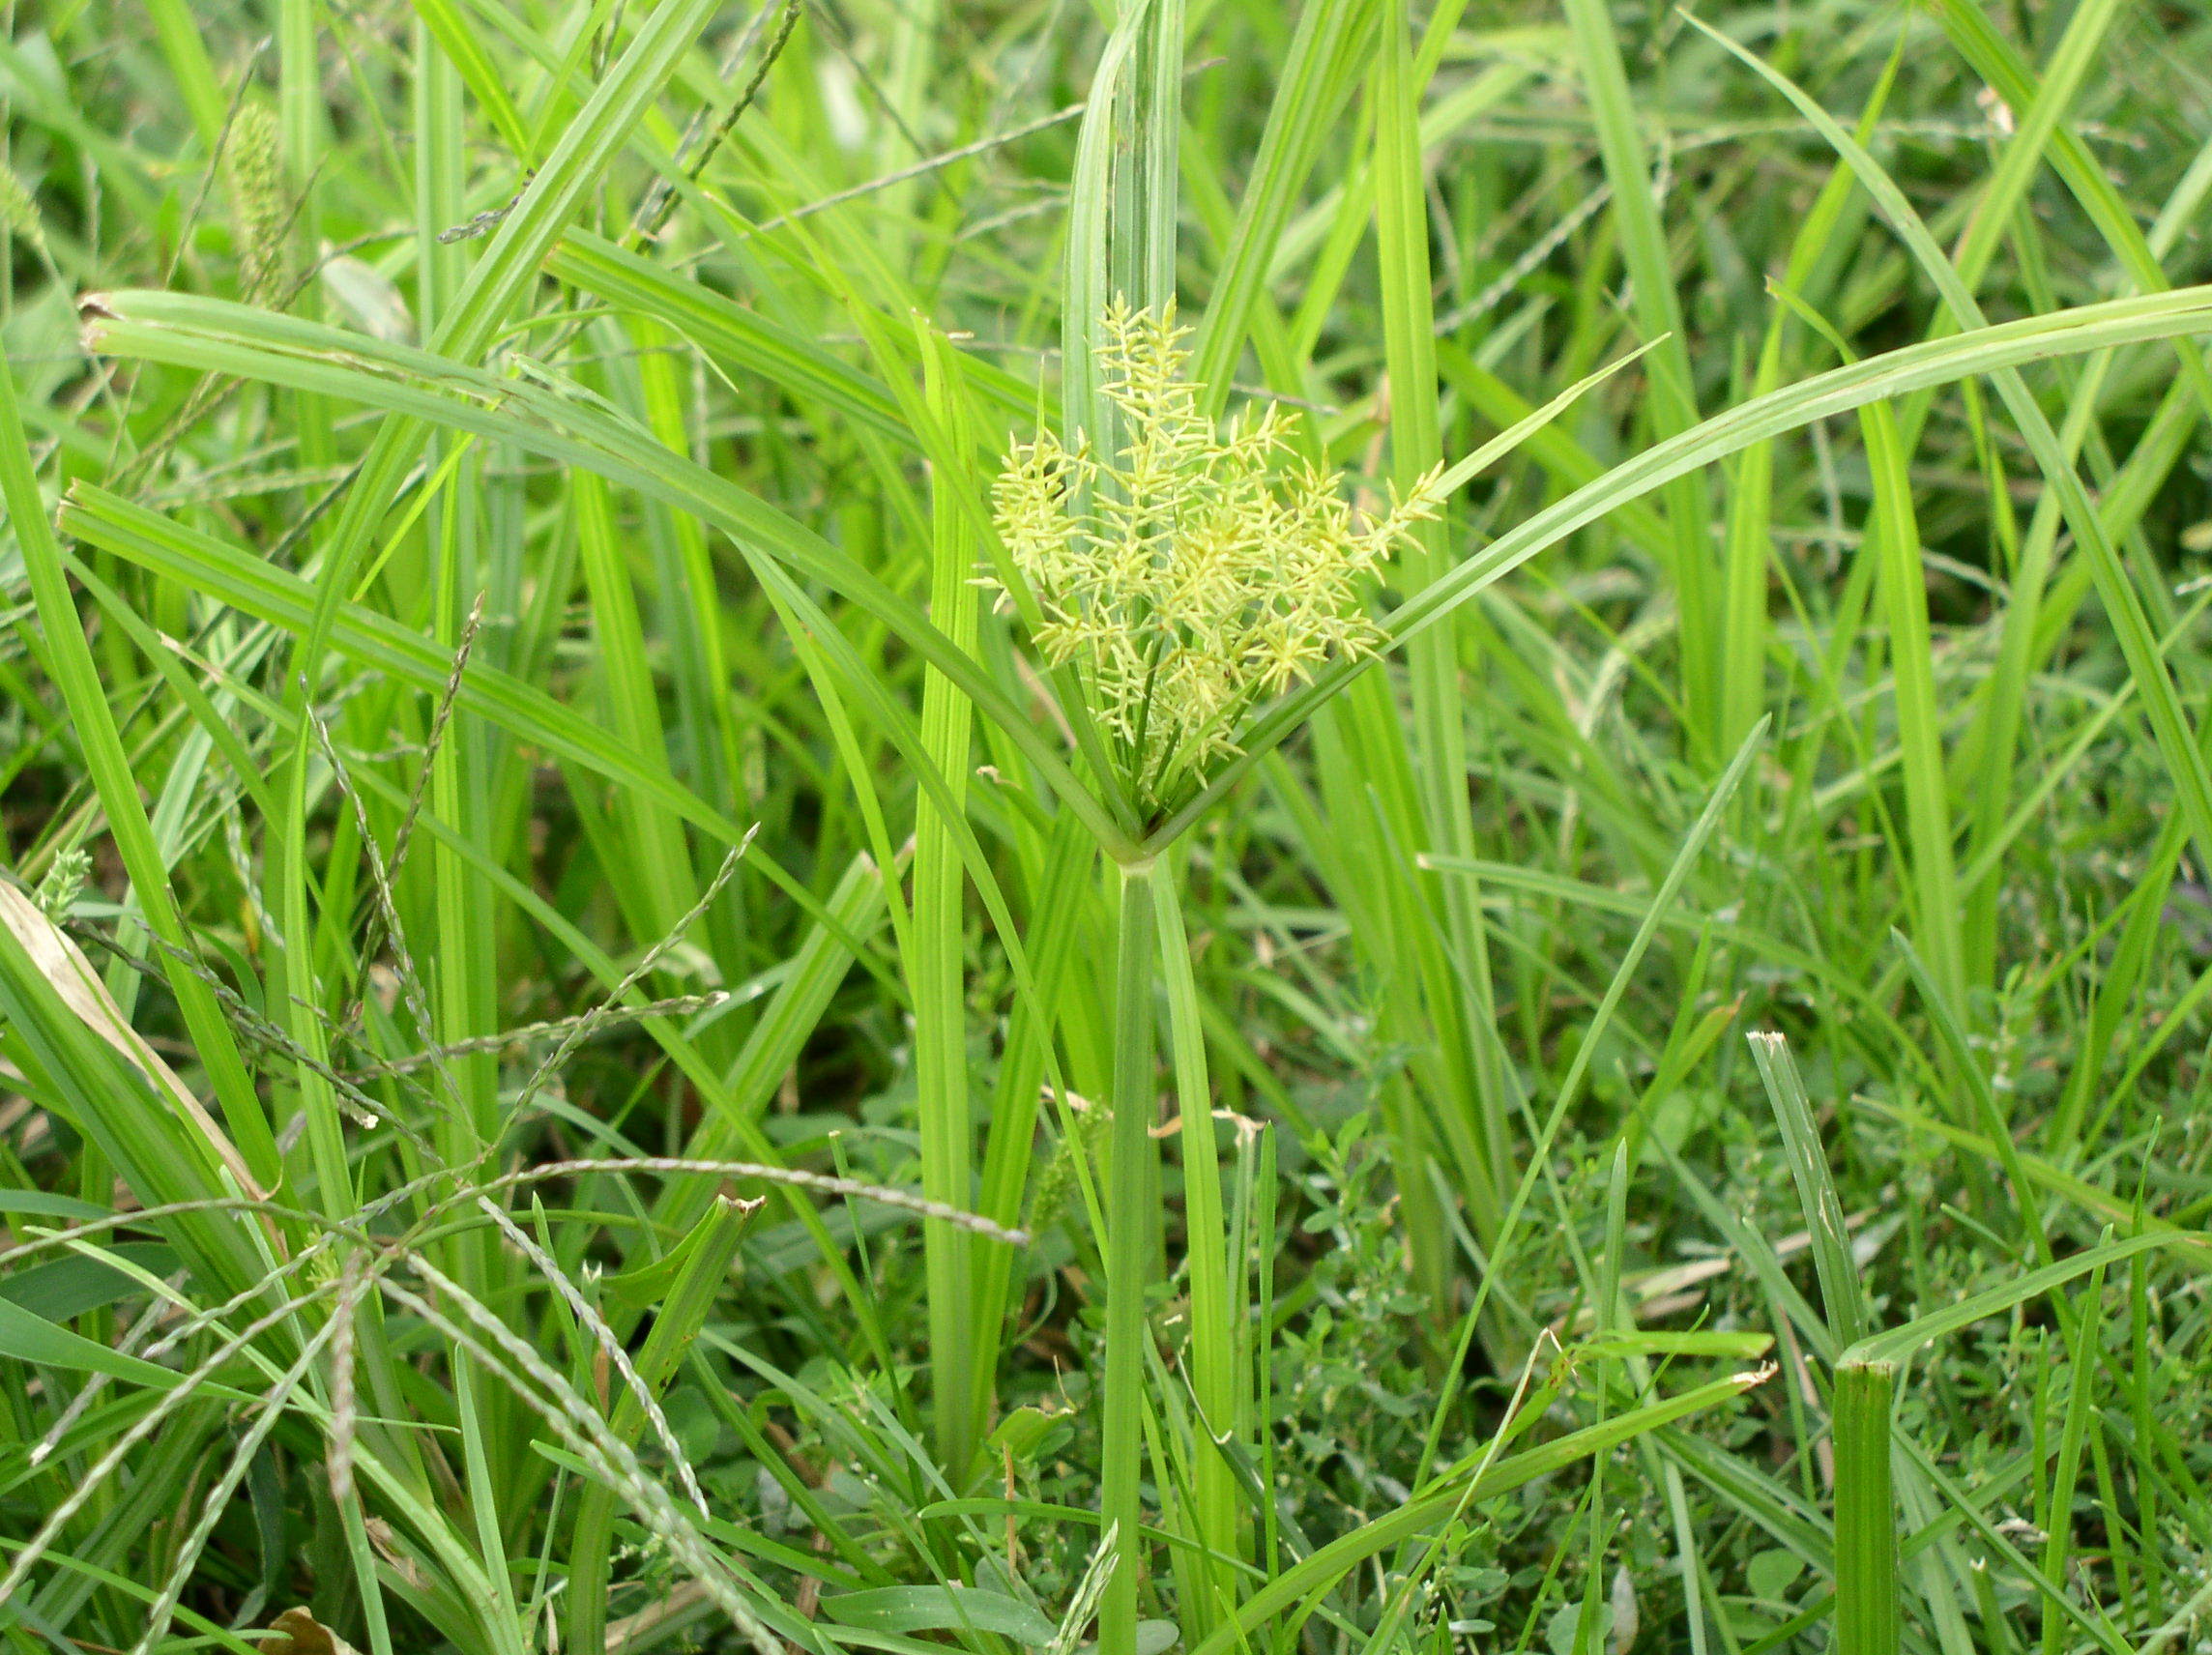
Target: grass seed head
18 212
64 884
1196 573
255 172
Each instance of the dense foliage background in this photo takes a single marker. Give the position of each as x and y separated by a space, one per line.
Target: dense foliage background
499 686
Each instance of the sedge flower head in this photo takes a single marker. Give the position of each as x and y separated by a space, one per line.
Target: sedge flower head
1197 574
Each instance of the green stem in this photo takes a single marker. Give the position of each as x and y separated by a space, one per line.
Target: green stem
1128 1256
1213 1327
1866 1520
1461 1014
677 1322
937 958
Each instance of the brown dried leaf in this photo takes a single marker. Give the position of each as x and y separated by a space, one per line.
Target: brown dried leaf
401 1562
300 1633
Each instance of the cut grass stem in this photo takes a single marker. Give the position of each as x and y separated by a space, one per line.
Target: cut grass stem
1866 1510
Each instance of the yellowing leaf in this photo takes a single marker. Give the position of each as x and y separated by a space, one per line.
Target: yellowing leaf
62 963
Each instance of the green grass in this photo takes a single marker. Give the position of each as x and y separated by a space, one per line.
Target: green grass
600 1051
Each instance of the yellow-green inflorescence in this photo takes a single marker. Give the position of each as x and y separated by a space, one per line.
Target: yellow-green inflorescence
253 163
1198 573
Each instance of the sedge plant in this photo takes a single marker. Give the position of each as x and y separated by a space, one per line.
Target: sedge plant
1180 584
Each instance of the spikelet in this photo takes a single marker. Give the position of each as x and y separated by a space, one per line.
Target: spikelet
64 884
18 212
1209 572
254 174
1049 1199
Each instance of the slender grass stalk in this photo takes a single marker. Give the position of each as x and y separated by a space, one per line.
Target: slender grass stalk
1903 590
707 1255
1141 237
1059 927
1462 1008
1213 1317
2085 1338
1673 405
1309 95
1842 1294
1745 602
178 34
936 971
1131 1172
301 120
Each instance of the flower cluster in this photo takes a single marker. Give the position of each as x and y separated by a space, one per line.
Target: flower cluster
1198 573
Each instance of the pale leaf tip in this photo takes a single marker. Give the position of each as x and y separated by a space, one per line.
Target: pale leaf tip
93 312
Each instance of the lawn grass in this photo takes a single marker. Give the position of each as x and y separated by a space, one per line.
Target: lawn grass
612 1038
